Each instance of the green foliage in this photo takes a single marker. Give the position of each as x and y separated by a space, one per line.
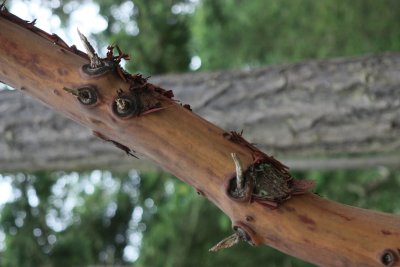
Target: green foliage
156 37
234 33
159 38
173 226
162 36
59 219
371 188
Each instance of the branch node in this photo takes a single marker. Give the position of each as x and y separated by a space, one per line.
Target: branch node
125 106
388 257
86 95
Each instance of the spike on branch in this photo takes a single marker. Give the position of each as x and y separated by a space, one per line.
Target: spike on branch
239 171
3 5
71 91
95 60
226 243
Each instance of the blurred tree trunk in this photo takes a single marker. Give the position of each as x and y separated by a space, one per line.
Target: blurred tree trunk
313 114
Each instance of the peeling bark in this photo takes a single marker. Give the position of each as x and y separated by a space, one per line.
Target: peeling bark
307 226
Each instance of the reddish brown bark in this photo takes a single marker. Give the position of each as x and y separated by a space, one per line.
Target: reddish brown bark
196 151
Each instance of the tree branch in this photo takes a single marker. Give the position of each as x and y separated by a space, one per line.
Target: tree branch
193 149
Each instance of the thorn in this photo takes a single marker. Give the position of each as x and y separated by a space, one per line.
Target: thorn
226 242
239 171
121 103
95 61
71 91
119 50
3 5
33 22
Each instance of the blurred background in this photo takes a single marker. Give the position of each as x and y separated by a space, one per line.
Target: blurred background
148 218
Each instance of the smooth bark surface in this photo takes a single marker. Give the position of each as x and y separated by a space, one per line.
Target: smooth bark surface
299 112
198 152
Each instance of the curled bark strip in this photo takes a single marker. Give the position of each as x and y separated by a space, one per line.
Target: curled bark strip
126 149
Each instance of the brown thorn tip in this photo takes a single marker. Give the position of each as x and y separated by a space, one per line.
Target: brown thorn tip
3 5
71 91
121 103
95 61
226 243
